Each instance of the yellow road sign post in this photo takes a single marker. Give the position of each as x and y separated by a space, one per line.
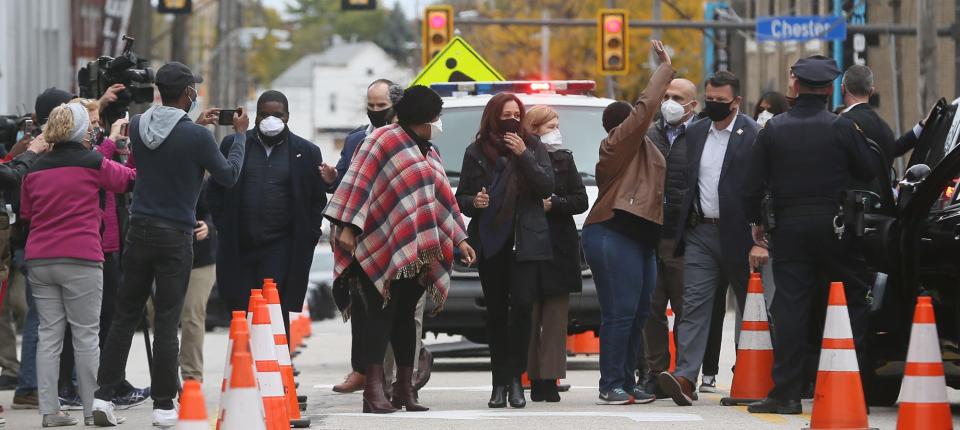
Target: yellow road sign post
457 62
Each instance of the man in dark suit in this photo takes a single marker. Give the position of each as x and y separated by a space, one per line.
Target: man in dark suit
857 89
382 94
269 222
714 235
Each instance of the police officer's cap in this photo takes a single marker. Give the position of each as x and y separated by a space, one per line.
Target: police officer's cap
816 71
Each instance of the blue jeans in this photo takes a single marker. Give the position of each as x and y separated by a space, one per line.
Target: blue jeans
625 273
31 324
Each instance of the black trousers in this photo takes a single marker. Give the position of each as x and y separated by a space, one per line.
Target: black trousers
356 346
379 324
809 257
508 298
155 253
271 260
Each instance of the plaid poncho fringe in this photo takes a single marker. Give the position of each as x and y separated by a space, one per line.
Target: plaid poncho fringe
408 215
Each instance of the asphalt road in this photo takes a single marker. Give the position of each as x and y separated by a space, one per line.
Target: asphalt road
458 392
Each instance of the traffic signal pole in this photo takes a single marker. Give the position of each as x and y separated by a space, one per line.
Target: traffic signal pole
896 29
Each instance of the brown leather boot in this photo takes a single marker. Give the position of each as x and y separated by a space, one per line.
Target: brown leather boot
423 369
373 399
351 384
403 395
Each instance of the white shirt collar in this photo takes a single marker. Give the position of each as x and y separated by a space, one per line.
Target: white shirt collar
370 129
849 108
729 129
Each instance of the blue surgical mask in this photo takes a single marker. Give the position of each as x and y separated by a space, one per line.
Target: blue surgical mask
193 101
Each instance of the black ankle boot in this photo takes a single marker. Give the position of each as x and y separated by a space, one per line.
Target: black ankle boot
550 392
498 398
536 390
515 394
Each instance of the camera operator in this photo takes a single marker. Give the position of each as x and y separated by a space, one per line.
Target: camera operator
171 154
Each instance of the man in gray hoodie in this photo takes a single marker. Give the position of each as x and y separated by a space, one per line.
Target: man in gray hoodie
172 153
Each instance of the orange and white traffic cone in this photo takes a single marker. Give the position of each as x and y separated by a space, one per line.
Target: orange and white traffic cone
268 368
193 409
671 341
254 294
838 401
243 408
307 320
753 377
237 325
923 395
272 295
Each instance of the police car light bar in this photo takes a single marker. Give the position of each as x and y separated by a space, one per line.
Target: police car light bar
448 89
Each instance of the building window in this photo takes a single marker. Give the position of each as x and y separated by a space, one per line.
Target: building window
369 72
333 102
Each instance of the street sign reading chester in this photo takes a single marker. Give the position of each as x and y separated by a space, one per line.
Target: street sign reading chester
800 28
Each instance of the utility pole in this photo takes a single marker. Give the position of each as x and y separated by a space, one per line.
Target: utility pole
545 48
927 54
657 34
141 28
224 88
180 39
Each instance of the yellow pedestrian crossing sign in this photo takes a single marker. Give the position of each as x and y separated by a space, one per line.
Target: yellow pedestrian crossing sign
457 62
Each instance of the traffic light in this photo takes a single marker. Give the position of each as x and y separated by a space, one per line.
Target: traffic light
358 4
613 42
437 30
174 6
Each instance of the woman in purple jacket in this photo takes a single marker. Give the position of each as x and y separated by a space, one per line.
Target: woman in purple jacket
60 200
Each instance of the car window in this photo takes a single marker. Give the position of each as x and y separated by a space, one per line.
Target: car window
581 127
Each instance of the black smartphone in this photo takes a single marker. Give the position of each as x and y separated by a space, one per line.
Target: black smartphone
226 116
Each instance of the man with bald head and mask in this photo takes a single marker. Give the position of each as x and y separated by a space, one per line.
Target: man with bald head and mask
677 111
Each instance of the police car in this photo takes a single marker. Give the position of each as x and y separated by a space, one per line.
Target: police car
914 237
580 122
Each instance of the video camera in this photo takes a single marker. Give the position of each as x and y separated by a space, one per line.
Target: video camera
128 69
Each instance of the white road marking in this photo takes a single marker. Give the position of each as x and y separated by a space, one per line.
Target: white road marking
464 388
498 415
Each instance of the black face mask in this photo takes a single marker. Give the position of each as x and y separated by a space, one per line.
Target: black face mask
509 125
378 118
717 111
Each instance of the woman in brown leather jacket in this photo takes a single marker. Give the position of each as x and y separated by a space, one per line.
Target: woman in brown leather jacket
621 233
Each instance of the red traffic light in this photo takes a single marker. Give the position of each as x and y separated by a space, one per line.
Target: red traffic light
614 25
438 21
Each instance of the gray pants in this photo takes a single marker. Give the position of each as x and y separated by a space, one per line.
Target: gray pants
705 271
67 292
390 362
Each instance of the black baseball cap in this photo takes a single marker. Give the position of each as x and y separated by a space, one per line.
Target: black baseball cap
49 99
176 75
816 71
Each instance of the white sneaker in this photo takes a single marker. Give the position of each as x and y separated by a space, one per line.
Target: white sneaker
165 417
103 414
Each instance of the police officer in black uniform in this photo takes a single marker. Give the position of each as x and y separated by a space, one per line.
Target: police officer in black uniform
806 158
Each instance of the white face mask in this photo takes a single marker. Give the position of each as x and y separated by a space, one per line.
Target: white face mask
672 111
436 129
552 140
271 126
764 117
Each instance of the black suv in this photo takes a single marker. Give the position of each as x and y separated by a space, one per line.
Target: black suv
914 237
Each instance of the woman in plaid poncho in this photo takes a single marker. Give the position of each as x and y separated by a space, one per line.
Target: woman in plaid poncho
398 223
